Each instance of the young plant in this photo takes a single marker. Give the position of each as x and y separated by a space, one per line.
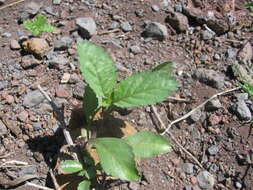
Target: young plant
117 155
38 25
249 6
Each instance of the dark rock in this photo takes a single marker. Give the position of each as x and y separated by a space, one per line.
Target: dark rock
178 21
155 30
86 26
63 44
139 13
213 105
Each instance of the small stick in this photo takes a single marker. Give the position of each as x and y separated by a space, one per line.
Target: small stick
198 107
56 185
11 4
60 118
174 139
38 186
177 99
16 162
108 31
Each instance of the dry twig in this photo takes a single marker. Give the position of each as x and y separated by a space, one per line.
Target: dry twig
11 4
56 185
38 186
60 118
174 139
198 107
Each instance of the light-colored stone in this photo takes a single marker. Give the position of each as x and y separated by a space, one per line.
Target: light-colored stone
37 46
65 78
14 45
205 180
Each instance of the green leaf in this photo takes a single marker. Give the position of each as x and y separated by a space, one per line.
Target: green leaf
117 158
38 25
97 67
165 67
84 185
249 5
90 103
143 89
147 144
71 166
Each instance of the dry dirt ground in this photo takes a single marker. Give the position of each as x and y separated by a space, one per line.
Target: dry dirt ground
203 53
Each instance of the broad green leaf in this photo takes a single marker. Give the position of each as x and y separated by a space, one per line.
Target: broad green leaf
117 158
90 103
84 185
97 67
147 144
165 67
71 166
143 89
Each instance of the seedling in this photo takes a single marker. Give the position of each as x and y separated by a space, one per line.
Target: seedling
103 93
38 25
249 6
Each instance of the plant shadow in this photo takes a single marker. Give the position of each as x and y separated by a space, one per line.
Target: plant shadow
50 148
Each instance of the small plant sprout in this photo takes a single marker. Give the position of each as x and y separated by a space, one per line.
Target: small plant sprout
103 93
249 6
38 25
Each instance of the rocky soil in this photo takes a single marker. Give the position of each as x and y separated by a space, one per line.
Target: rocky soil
205 40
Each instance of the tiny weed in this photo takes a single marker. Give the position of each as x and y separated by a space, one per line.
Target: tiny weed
38 25
249 6
103 93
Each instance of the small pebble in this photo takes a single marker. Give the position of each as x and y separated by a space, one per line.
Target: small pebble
14 45
213 150
155 8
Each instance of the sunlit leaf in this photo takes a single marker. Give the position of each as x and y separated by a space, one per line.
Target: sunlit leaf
71 166
147 144
143 89
97 67
117 158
